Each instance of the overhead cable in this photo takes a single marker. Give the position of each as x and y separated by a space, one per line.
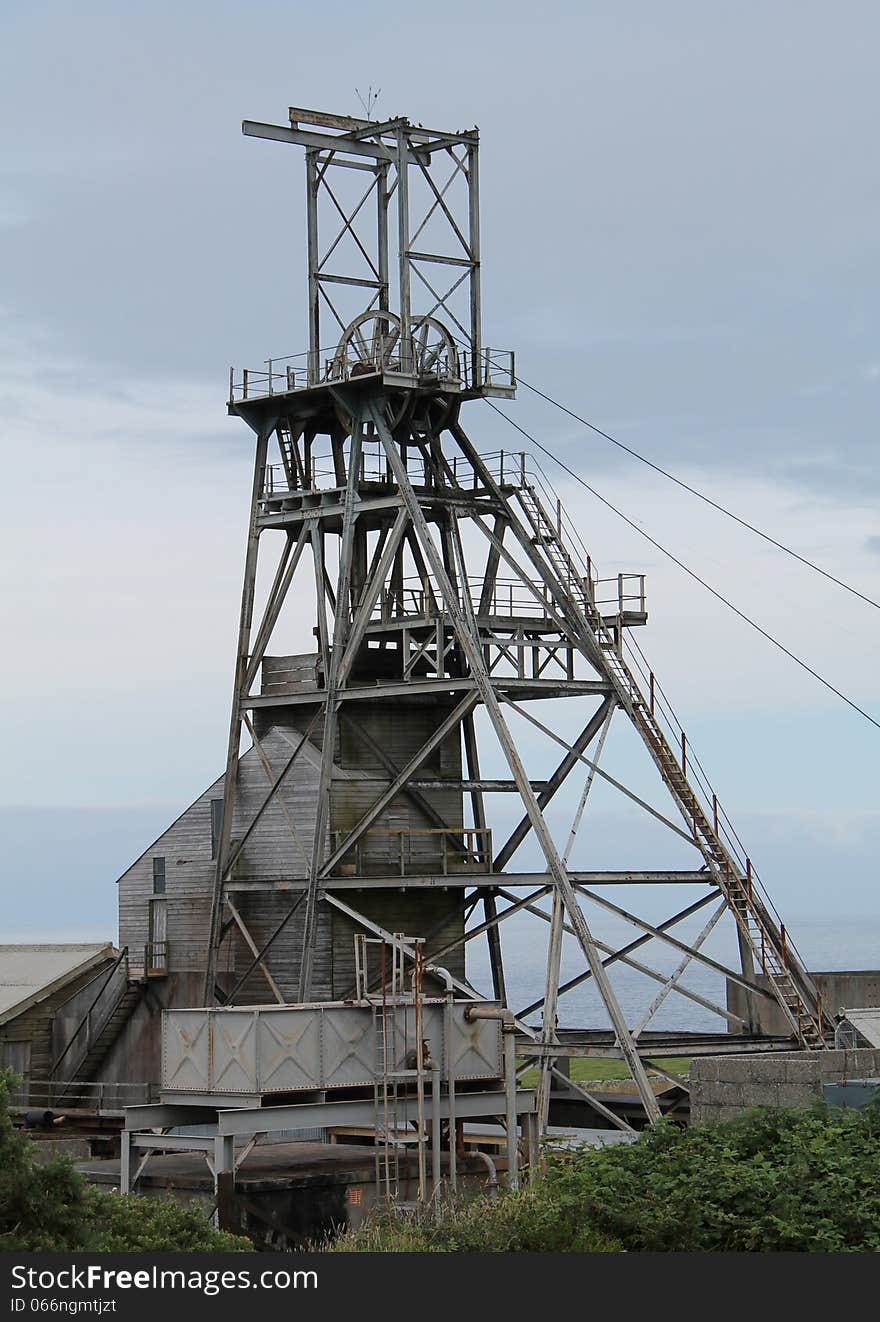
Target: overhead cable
701 495
747 619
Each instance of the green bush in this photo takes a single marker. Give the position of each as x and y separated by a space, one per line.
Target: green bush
49 1206
806 1181
770 1180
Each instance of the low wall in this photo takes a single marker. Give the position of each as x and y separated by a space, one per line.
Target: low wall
722 1086
839 988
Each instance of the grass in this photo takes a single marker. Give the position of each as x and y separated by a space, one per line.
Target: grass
592 1069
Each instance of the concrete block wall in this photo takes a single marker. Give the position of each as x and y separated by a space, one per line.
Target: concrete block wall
723 1086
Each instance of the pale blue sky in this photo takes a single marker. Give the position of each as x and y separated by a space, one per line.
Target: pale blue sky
681 222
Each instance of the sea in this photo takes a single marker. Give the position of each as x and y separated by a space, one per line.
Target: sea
824 945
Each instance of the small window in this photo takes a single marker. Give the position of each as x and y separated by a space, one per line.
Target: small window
216 825
158 876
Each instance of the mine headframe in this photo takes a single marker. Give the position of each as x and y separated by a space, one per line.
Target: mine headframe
445 580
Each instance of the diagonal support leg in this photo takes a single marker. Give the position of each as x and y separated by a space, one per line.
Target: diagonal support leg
468 638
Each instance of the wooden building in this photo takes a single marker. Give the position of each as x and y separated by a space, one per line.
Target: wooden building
40 987
165 896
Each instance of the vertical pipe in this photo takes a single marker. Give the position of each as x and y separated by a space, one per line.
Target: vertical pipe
125 1162
683 753
420 1070
450 1092
510 1094
436 1126
532 1145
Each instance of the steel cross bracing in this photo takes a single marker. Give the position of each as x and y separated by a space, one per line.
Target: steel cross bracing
391 523
451 593
393 248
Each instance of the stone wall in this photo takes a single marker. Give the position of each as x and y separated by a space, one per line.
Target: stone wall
722 1086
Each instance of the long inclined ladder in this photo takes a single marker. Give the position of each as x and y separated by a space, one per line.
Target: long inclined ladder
791 984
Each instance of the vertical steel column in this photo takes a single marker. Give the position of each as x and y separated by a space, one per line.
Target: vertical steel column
490 909
474 245
224 1180
406 351
232 752
382 231
341 630
125 1162
314 260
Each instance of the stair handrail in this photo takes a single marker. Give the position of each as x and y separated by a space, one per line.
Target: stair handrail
123 955
662 707
763 912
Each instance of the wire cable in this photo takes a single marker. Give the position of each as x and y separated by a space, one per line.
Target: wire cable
753 624
707 500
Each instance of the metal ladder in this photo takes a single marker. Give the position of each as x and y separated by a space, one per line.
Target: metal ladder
385 1098
792 986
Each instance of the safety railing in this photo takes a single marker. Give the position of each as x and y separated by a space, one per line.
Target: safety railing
79 1095
510 598
495 368
273 379
431 362
510 468
410 852
95 1018
156 959
647 690
434 362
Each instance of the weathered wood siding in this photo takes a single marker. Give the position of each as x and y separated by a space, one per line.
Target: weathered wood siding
279 849
34 1025
271 853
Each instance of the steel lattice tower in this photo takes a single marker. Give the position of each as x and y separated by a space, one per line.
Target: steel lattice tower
377 494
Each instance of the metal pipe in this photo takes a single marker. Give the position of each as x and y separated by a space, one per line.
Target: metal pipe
436 1126
508 1029
446 977
490 1166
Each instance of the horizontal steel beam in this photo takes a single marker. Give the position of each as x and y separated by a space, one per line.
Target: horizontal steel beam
477 880
487 786
377 151
525 689
174 1142
371 127
321 1115
158 1115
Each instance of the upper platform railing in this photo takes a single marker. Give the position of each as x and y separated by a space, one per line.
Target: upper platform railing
492 372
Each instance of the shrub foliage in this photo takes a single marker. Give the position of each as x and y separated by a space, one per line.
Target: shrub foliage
49 1206
806 1181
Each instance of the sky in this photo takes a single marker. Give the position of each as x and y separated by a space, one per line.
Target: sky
680 232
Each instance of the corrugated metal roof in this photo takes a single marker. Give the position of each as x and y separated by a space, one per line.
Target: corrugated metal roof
866 1022
30 973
